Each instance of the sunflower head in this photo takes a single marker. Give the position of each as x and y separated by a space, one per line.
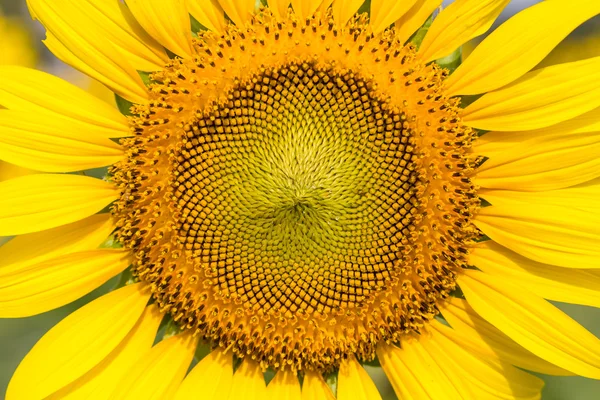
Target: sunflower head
304 187
298 190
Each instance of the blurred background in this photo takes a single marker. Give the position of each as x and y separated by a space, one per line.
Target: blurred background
21 44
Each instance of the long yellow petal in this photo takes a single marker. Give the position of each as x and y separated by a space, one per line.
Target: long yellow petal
211 378
518 45
52 144
315 387
77 344
37 202
555 235
324 6
460 22
27 250
280 7
306 8
539 99
533 323
385 12
284 386
475 334
209 13
415 18
343 10
582 197
493 379
239 11
551 158
248 382
354 383
9 171
53 283
159 372
547 281
120 28
77 39
415 372
167 21
94 67
45 95
99 383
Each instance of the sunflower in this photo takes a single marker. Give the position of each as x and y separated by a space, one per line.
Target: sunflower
296 190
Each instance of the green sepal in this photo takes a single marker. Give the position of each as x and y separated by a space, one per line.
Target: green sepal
419 35
111 243
196 26
365 8
373 363
332 380
126 278
123 105
171 329
145 77
202 350
451 62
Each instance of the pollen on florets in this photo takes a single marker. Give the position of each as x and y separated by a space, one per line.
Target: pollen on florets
298 192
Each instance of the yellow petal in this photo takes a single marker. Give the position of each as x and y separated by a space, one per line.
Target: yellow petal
284 386
551 158
44 95
167 21
27 250
518 45
555 235
533 323
415 18
159 372
354 383
248 382
385 12
415 372
99 383
37 202
9 171
343 10
79 40
478 336
119 27
77 344
539 99
547 281
211 378
460 22
493 379
52 144
315 387
582 197
53 283
239 11
280 7
128 88
208 13
306 8
325 4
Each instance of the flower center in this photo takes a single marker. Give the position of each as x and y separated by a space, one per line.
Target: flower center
298 192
